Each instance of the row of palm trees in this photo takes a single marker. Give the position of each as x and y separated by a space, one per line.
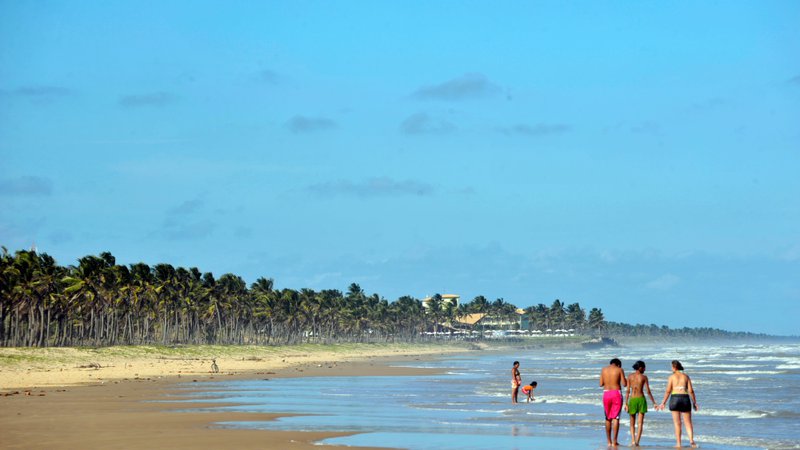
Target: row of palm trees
561 315
99 302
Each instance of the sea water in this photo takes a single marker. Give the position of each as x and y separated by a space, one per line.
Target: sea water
749 397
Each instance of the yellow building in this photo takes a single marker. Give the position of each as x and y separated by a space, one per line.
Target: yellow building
446 299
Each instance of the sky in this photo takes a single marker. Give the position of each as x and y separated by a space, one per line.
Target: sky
638 157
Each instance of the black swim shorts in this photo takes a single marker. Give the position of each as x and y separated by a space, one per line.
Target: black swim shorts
680 403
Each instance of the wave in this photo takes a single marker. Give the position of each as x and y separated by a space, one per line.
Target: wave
737 414
594 376
742 372
571 399
738 441
733 441
726 366
788 366
781 359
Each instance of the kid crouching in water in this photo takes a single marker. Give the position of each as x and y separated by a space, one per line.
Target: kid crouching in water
528 390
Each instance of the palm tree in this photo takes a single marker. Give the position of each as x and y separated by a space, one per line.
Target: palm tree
504 311
166 286
576 316
596 320
85 287
557 314
435 310
264 298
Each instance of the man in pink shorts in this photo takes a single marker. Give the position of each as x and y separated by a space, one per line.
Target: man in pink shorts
612 379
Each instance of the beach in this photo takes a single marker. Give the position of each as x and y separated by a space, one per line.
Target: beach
382 396
67 398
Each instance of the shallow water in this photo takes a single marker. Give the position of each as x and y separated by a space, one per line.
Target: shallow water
749 397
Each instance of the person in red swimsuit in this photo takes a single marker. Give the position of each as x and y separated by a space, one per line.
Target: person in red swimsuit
612 379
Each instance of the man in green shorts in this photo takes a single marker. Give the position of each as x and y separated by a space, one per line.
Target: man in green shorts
636 404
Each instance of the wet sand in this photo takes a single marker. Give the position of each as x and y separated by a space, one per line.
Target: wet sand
44 406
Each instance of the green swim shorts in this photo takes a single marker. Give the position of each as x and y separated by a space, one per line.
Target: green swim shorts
637 405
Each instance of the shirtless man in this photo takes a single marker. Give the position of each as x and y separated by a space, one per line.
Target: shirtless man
516 382
635 403
612 377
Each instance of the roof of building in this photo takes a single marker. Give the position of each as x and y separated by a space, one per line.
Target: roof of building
444 297
471 319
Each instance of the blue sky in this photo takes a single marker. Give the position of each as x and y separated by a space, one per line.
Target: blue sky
641 157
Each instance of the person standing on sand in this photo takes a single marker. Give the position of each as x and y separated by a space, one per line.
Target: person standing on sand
636 404
612 377
516 382
679 385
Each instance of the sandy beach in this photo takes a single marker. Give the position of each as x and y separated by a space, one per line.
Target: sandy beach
67 398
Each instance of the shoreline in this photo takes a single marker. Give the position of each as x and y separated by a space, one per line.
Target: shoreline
33 368
61 399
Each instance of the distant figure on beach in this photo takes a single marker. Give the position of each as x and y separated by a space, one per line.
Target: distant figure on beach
679 386
516 382
528 390
612 378
214 367
636 404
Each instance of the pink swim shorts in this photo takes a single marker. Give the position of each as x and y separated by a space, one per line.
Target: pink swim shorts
612 404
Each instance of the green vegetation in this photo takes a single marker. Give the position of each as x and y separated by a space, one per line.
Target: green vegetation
99 303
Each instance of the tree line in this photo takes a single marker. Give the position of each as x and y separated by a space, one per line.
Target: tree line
99 302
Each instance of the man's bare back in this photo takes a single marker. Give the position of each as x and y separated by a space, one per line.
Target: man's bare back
636 384
612 378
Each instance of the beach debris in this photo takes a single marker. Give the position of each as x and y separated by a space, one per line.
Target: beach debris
92 365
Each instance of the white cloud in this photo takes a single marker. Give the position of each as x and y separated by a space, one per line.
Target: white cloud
664 282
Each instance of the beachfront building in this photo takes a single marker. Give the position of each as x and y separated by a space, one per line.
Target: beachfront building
517 321
445 299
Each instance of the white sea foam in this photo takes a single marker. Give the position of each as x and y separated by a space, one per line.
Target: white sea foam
583 388
779 359
581 377
556 414
726 366
732 413
749 442
788 366
748 372
745 378
572 399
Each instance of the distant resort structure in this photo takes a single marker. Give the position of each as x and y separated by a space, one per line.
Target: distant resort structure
490 325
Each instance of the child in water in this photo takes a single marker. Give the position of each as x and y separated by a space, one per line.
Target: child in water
528 390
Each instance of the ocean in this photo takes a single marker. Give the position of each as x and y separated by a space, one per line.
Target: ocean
749 398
